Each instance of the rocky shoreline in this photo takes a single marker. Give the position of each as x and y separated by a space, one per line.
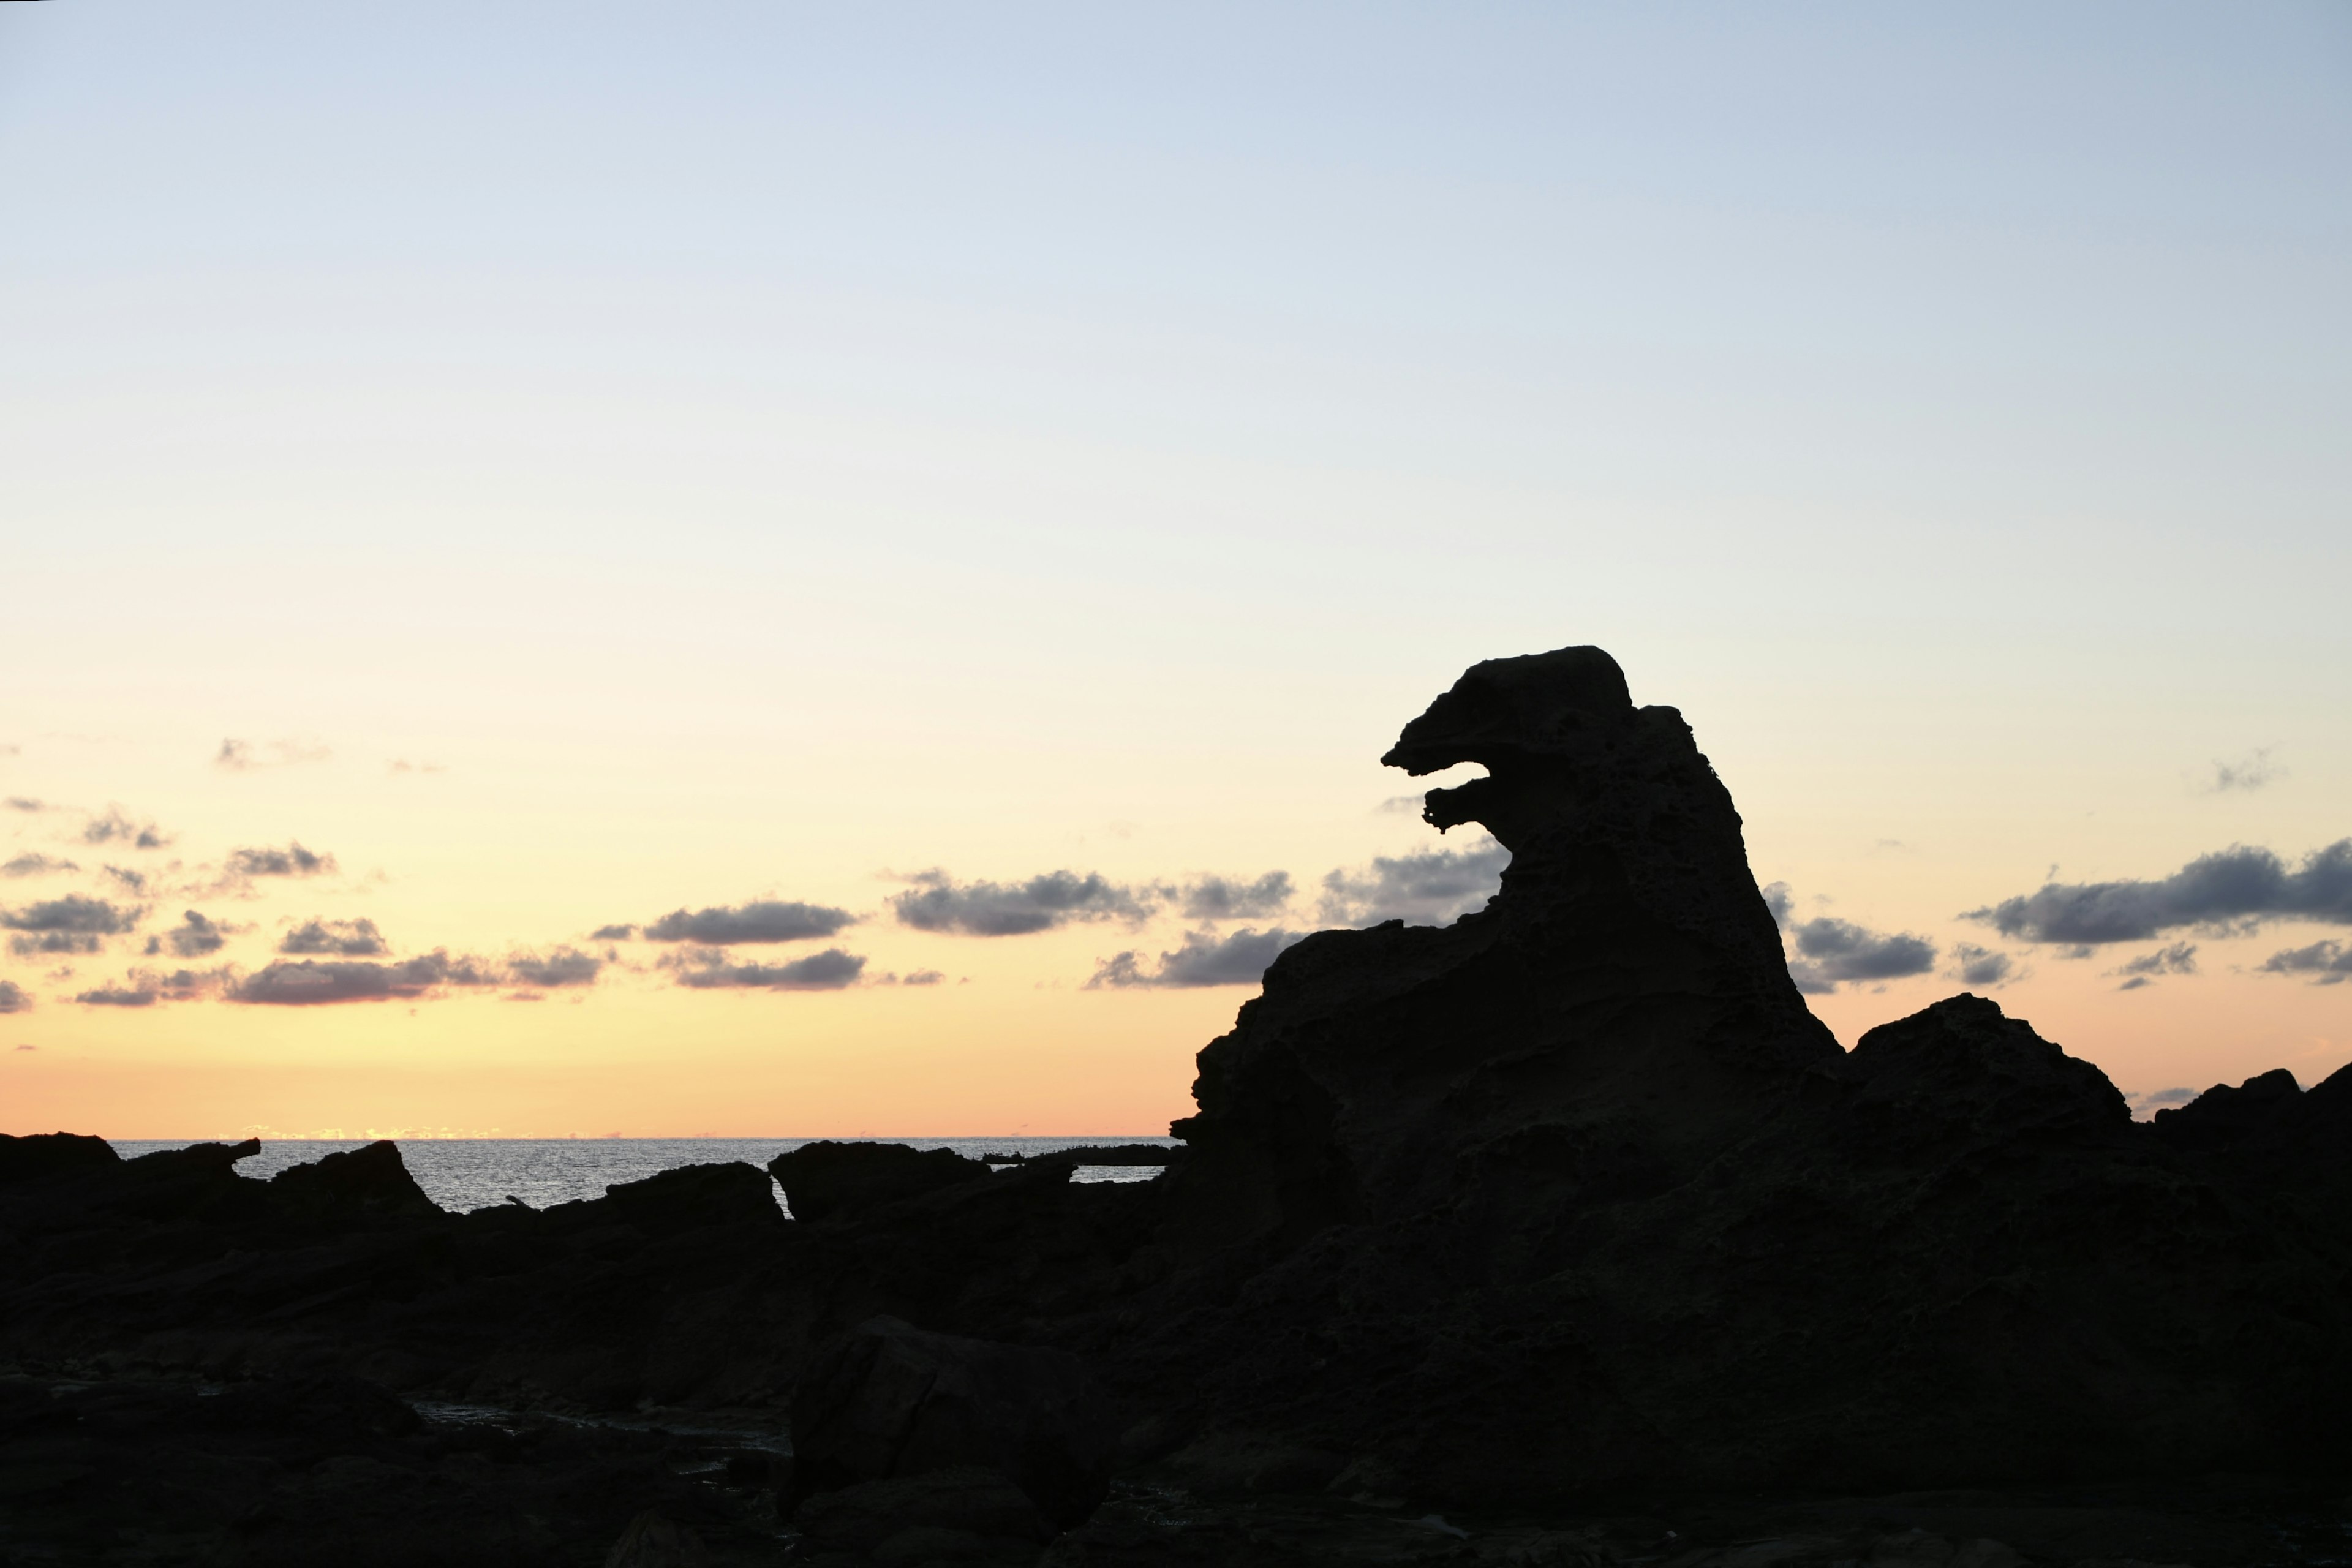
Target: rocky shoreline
1562 1235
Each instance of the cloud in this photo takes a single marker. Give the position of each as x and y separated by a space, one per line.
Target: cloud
310 983
194 937
763 920
271 861
563 966
2237 885
24 803
148 986
1432 887
237 757
923 977
1982 965
336 939
613 933
403 767
1206 959
2181 958
708 969
2144 1106
72 913
2251 772
2330 961
1833 952
30 864
54 942
939 903
115 827
14 998
1779 900
134 881
1402 805
1230 898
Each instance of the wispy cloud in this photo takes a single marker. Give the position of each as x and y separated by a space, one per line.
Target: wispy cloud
561 968
237 757
146 987
31 864
1213 897
1206 958
195 936
712 968
2181 958
939 903
25 802
1975 965
114 825
2239 886
312 983
2328 962
1432 887
1831 953
761 920
269 860
2249 772
335 938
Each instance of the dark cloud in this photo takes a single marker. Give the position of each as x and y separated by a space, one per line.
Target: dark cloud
1206 959
613 933
2251 772
1831 952
148 986
2331 961
1432 887
309 982
115 827
53 942
14 998
271 861
116 996
72 913
1779 900
923 977
30 864
1230 898
708 969
564 966
2239 886
24 803
194 937
241 757
939 903
763 920
1982 965
2181 958
335 938
134 881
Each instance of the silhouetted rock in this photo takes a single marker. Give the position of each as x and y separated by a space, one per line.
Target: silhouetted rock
886 1400
1096 1155
828 1181
41 1154
373 1181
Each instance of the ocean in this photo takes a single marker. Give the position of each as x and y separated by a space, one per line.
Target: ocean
462 1174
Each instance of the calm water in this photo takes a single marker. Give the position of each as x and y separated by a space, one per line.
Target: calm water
475 1173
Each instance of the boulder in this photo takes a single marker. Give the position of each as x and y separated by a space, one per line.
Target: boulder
829 1181
888 1400
959 1512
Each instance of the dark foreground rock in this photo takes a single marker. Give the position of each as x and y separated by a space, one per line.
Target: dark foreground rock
1515 1240
887 1400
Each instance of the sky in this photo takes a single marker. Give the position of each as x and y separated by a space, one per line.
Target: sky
755 568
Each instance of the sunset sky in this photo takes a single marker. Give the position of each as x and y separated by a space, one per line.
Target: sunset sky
944 503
